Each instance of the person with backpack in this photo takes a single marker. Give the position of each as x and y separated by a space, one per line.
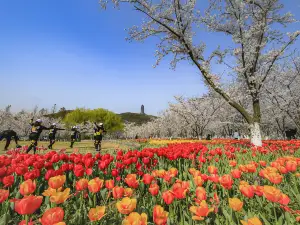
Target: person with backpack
36 130
98 135
9 135
52 133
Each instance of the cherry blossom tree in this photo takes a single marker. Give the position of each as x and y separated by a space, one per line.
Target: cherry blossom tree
282 91
257 44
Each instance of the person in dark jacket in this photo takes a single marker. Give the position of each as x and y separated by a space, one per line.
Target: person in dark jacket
74 135
9 135
291 133
36 130
52 133
98 135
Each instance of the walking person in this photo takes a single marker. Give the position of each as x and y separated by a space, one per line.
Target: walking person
236 135
98 135
36 130
52 133
74 135
9 135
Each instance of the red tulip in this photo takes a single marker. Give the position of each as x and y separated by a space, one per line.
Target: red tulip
8 181
118 192
168 197
154 189
226 181
131 181
3 195
53 216
28 205
79 170
147 178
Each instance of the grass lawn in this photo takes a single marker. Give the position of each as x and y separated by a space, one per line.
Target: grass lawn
83 146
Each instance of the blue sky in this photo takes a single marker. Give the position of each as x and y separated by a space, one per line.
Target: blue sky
73 54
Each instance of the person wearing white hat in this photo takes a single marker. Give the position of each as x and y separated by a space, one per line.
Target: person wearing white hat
74 135
36 130
98 135
52 133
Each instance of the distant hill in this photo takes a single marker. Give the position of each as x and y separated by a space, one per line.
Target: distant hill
127 117
136 117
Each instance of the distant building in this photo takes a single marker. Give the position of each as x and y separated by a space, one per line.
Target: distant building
142 110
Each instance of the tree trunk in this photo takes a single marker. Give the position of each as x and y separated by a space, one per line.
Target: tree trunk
255 134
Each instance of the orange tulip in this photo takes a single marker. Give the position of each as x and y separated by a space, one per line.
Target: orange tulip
236 173
173 172
57 181
154 189
247 190
28 205
251 168
160 216
291 166
160 173
284 199
128 192
198 181
135 219
60 197
212 169
283 170
184 184
3 195
82 184
118 192
263 163
60 223
243 168
258 190
53 216
179 191
200 194
275 178
272 194
96 214
49 192
236 204
131 181
168 197
252 221
27 187
109 184
232 163
126 205
200 211
95 185
226 181
192 171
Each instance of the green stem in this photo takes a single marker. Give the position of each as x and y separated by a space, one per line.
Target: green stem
26 219
274 208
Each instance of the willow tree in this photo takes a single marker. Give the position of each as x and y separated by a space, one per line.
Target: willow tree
257 44
112 122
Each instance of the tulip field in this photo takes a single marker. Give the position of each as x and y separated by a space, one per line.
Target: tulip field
222 182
